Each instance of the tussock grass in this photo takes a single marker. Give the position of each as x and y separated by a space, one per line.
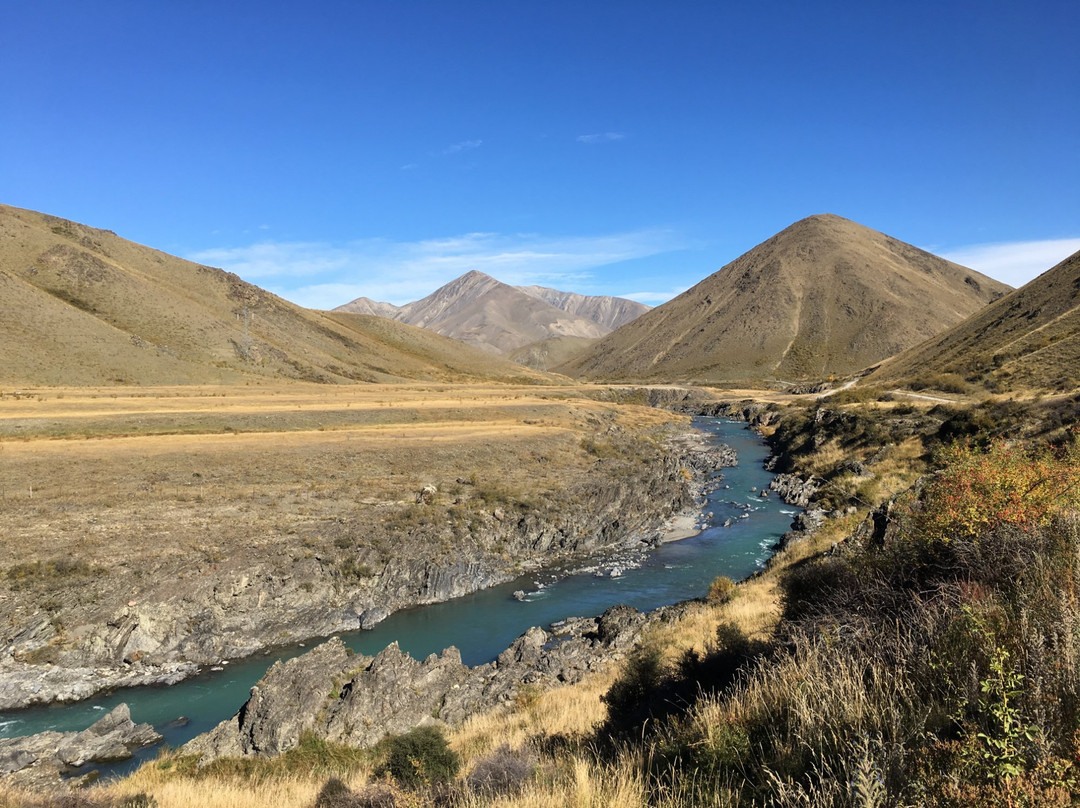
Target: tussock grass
225 792
571 712
579 783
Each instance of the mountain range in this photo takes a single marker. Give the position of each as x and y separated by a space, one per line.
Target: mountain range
824 296
82 306
486 313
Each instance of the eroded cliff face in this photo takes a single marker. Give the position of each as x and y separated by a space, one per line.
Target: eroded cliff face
191 615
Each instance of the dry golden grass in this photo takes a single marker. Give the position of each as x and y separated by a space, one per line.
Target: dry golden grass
900 467
825 458
220 792
580 784
572 711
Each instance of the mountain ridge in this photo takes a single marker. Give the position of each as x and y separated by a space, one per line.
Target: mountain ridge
487 313
1028 338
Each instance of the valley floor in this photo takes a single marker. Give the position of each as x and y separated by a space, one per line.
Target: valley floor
146 526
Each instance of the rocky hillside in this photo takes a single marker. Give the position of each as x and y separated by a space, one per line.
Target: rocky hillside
825 296
1029 339
486 313
81 306
610 312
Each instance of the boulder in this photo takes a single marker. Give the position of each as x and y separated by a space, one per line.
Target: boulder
794 490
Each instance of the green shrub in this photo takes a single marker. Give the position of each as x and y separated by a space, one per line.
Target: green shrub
631 696
599 448
350 569
945 382
982 490
421 757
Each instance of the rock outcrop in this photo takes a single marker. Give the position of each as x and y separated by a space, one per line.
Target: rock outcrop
41 759
358 700
793 489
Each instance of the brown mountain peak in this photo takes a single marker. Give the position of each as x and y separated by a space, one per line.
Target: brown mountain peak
825 295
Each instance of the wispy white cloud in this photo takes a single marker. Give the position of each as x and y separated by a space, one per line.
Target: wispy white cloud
1014 263
258 262
465 145
322 275
655 298
600 137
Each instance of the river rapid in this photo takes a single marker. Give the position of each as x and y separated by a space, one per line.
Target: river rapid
483 624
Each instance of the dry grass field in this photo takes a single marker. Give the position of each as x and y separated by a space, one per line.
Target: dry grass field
114 498
62 451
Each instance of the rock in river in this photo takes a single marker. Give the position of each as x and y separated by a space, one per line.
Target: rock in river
41 759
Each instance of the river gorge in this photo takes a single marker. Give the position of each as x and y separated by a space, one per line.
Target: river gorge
740 528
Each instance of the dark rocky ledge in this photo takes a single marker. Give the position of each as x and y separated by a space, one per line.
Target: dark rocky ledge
795 490
357 700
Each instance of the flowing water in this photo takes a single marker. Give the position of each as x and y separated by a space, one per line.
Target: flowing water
483 624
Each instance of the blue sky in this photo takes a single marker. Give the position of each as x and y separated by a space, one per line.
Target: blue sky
327 150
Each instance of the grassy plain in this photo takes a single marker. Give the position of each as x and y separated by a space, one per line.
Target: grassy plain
136 451
112 495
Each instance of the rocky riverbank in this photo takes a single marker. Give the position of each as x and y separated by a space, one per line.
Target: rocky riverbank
186 617
39 761
357 700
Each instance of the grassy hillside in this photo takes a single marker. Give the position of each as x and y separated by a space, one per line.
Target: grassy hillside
1027 340
825 296
81 306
